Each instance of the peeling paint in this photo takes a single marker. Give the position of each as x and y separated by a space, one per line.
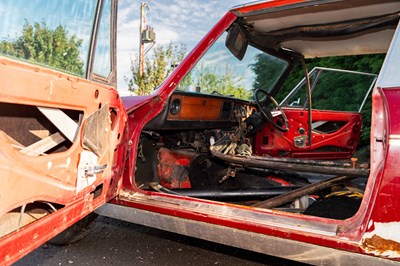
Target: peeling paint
388 230
381 247
51 89
383 240
67 163
370 224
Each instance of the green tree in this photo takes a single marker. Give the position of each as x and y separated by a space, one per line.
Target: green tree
157 68
363 63
267 69
212 81
50 47
230 85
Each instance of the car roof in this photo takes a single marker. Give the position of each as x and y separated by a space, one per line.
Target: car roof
321 28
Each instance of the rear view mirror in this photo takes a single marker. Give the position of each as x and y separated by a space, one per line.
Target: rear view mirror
236 41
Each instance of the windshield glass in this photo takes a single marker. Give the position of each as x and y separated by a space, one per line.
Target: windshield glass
219 72
51 33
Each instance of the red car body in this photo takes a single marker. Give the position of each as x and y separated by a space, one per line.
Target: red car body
371 235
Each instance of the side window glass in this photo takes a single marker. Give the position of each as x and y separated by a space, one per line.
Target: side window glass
102 54
332 89
389 75
44 33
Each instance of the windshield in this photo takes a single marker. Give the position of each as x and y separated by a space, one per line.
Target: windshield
219 72
42 32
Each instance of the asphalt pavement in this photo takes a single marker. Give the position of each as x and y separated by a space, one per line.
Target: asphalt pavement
115 242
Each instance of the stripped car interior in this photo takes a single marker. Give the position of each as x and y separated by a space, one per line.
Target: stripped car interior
258 139
287 156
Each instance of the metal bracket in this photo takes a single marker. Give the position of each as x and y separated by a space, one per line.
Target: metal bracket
93 170
231 172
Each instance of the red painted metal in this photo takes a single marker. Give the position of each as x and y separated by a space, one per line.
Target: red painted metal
388 184
384 179
133 102
53 178
18 244
252 226
153 107
349 232
155 104
281 144
258 6
172 169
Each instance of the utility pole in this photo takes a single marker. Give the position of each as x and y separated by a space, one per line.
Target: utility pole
141 43
147 35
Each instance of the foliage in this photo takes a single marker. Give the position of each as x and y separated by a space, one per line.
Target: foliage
51 47
209 80
267 69
363 63
157 68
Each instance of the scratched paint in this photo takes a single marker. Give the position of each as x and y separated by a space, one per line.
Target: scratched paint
67 163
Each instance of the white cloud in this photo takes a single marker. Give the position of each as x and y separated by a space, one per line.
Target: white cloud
175 21
165 35
219 56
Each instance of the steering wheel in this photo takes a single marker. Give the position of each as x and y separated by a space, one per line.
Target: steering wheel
266 112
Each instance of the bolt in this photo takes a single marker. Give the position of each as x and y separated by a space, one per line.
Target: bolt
353 162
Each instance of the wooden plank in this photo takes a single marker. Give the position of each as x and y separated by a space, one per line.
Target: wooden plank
63 122
41 133
43 145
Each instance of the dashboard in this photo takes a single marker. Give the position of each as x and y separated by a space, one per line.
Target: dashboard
190 110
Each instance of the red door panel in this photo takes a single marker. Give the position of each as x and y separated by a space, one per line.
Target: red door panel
63 144
334 135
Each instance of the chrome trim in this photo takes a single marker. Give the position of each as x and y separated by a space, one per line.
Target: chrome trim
367 94
263 218
266 244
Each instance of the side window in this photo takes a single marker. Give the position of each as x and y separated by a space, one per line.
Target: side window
43 33
102 54
389 76
333 89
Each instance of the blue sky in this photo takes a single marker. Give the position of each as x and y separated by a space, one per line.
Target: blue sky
177 21
15 13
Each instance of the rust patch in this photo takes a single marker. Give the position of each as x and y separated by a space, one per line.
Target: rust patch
380 245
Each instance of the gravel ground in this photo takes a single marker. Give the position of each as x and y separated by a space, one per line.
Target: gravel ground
115 242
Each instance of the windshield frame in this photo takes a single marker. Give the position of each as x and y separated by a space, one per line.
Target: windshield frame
285 56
